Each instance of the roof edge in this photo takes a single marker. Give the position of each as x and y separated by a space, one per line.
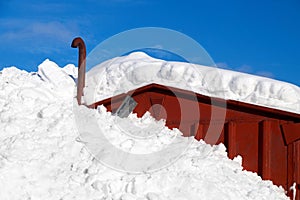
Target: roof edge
203 98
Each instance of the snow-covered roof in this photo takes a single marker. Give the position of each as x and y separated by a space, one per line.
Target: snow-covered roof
122 74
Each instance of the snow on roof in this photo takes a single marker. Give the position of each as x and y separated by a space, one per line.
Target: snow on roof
122 74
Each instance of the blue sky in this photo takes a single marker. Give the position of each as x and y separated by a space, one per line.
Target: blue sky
258 37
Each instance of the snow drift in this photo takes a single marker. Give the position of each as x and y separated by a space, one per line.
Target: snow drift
41 156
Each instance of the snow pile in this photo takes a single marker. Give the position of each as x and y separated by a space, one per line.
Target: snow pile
129 134
41 156
123 74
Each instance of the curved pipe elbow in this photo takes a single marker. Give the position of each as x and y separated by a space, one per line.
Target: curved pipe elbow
79 43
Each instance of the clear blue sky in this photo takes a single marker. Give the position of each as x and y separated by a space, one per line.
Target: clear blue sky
258 37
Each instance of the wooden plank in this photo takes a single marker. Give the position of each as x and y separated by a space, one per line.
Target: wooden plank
200 134
296 158
156 105
296 163
232 139
266 149
290 169
291 132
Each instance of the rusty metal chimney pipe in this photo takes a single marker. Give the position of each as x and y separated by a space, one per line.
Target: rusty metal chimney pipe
79 43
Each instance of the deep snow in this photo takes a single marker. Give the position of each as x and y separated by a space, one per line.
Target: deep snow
42 156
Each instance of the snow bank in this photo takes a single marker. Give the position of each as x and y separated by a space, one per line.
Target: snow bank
126 73
41 156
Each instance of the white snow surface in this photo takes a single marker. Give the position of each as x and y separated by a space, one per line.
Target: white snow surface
41 156
122 74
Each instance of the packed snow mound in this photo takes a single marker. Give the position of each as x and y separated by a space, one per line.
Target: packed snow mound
42 157
122 74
